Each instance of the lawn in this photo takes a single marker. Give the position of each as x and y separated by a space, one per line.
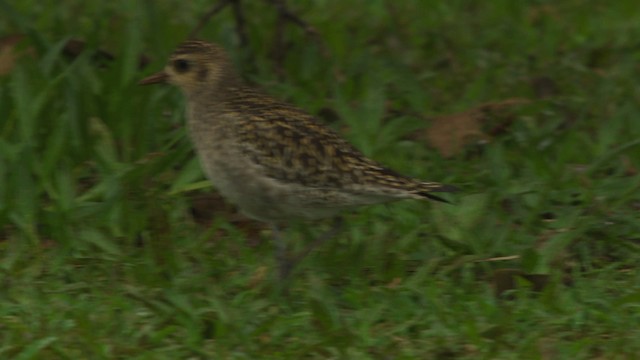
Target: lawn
114 246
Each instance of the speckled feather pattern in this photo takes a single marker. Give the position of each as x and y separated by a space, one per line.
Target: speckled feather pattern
295 148
270 158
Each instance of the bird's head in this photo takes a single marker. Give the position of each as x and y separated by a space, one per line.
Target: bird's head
196 67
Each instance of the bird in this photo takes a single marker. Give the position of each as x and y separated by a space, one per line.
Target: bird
274 161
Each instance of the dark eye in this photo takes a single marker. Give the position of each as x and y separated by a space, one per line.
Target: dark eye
181 65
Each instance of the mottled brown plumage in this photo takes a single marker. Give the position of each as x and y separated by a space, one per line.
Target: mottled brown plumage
271 159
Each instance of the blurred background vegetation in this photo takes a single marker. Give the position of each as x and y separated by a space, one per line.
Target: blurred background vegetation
112 244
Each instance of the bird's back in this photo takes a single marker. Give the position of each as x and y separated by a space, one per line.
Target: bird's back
295 149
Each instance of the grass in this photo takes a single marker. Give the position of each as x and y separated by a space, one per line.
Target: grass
112 246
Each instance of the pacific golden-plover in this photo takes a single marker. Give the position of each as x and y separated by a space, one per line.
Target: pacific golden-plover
271 159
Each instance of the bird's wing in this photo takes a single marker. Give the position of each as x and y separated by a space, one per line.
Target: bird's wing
293 147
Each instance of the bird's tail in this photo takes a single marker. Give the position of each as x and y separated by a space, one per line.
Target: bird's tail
426 190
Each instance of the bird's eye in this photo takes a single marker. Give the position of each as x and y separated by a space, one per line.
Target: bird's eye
181 65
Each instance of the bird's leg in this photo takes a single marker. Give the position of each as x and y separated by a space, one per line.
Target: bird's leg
336 226
287 263
282 256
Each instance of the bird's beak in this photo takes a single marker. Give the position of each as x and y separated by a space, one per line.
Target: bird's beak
157 78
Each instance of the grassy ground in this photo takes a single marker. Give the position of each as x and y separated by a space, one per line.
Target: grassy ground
112 246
